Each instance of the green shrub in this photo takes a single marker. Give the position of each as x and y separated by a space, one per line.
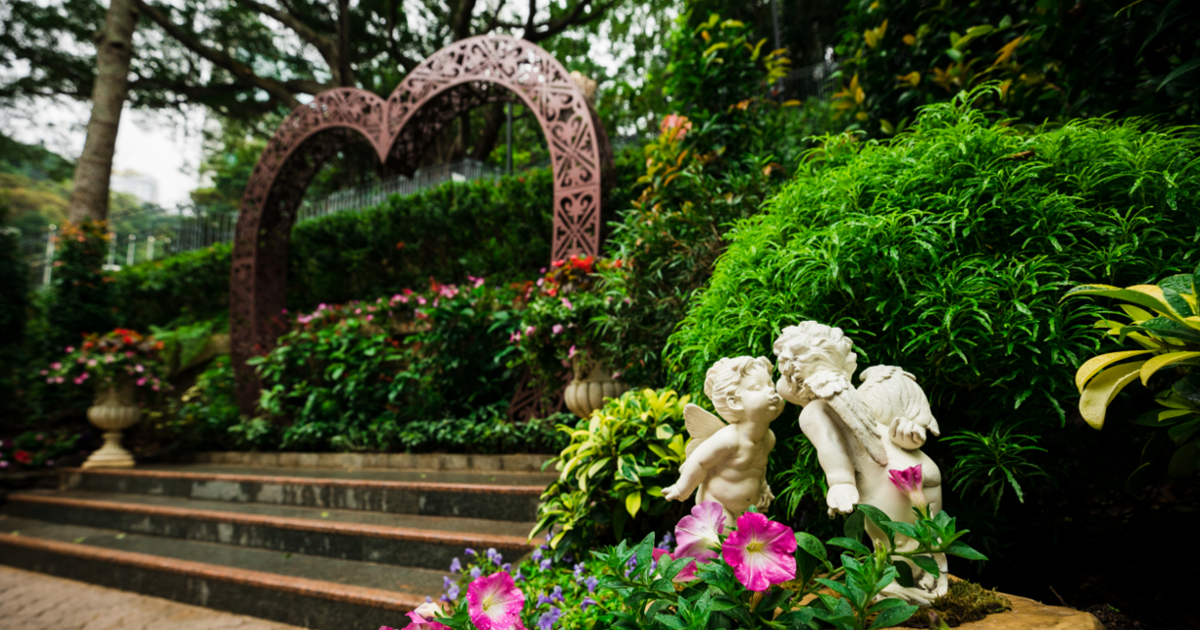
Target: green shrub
499 230
14 304
947 253
613 472
190 286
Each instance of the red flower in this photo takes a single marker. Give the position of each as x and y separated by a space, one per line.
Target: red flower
23 456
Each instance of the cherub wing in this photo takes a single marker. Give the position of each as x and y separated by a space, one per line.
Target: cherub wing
836 390
701 425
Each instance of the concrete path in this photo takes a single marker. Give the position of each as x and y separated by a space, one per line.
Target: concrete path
33 601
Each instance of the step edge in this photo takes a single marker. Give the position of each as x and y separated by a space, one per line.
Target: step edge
403 534
285 480
331 591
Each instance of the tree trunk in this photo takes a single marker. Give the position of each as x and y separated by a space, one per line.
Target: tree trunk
114 49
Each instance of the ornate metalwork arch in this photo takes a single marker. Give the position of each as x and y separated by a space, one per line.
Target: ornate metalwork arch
454 80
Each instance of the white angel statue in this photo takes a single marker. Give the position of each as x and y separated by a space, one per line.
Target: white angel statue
861 434
728 462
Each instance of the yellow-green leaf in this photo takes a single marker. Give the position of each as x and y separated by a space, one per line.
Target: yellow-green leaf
1093 404
715 47
1095 364
633 502
1135 313
1163 360
597 466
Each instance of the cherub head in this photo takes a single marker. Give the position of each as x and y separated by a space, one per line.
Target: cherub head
809 347
740 388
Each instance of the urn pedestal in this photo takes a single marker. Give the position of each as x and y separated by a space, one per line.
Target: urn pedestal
115 410
585 394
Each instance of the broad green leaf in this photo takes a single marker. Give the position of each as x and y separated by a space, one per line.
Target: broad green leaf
929 565
1181 432
893 616
1164 328
1095 364
849 543
1093 404
1185 461
1160 418
811 544
904 574
1144 295
962 550
1155 364
597 466
633 502
854 526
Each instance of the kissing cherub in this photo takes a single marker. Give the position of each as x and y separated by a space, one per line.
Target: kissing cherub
728 462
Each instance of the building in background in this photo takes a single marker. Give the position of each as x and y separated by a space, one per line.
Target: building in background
140 185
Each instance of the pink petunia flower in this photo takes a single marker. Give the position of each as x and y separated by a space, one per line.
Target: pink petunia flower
556 329
141 381
760 552
421 300
421 618
56 366
699 536
908 481
567 303
495 602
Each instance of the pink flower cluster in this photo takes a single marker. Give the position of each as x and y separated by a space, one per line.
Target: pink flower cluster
759 551
494 602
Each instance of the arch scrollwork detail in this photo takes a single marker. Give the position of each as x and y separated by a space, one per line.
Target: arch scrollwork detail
454 80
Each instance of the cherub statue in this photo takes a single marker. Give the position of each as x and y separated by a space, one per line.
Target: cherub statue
728 462
861 434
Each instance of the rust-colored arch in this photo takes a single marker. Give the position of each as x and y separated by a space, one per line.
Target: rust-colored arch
453 80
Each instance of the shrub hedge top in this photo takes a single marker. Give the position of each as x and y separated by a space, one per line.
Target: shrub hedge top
948 250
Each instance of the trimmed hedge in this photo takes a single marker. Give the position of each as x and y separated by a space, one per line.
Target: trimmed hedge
499 230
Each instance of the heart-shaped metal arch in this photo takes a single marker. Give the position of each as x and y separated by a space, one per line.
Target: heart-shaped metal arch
453 80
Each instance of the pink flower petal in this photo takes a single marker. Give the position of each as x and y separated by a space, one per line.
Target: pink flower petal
698 535
495 602
760 552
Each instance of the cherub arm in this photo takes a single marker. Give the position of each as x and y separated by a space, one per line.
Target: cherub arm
818 424
712 453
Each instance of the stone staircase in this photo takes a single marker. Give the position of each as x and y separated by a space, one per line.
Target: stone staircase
330 549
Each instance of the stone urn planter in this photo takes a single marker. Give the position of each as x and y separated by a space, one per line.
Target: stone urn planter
585 394
115 410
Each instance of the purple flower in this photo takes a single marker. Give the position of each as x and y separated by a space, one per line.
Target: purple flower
549 537
591 583
587 601
543 599
537 555
579 570
507 566
468 551
455 566
556 594
475 572
665 545
518 577
545 564
446 583
549 618
453 592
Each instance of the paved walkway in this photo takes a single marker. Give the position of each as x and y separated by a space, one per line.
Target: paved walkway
32 601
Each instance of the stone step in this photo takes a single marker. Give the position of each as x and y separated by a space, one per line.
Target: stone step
390 461
427 542
309 591
498 496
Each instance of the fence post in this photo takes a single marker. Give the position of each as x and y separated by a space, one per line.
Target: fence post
150 247
130 255
50 232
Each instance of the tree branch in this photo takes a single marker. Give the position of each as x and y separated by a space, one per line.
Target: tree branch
325 46
239 70
554 27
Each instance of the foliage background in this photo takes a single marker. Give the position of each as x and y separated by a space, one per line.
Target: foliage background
1055 59
947 252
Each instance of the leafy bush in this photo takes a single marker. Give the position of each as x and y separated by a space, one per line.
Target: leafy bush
42 449
714 163
499 230
14 302
947 252
1169 333
1055 59
557 325
80 299
190 286
351 376
206 416
613 472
